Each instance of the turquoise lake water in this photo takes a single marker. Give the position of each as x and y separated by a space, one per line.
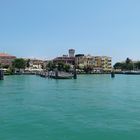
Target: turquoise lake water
93 107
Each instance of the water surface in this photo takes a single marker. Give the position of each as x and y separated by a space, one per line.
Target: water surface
93 107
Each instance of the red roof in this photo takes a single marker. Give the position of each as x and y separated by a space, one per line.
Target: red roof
6 55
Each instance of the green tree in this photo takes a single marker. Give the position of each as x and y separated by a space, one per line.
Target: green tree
127 65
63 67
124 66
28 63
118 65
137 65
88 69
128 60
66 67
60 66
50 66
19 63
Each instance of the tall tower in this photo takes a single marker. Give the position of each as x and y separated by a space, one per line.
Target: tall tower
71 52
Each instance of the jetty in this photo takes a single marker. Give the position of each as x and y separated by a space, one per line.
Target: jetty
131 72
57 75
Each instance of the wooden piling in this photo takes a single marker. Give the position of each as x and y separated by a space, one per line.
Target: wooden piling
56 74
112 74
1 74
75 73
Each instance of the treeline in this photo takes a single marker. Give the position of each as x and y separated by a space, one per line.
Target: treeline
128 65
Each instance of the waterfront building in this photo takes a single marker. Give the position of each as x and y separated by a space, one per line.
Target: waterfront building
34 64
84 61
103 63
67 59
6 59
96 63
46 62
106 63
64 59
90 60
79 60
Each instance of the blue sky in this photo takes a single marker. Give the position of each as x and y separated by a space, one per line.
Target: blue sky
48 28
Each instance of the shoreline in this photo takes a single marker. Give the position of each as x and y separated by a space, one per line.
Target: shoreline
117 73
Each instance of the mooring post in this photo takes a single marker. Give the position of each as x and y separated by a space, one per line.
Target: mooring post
75 73
1 74
56 73
112 74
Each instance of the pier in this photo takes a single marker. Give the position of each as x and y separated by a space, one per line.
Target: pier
57 75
